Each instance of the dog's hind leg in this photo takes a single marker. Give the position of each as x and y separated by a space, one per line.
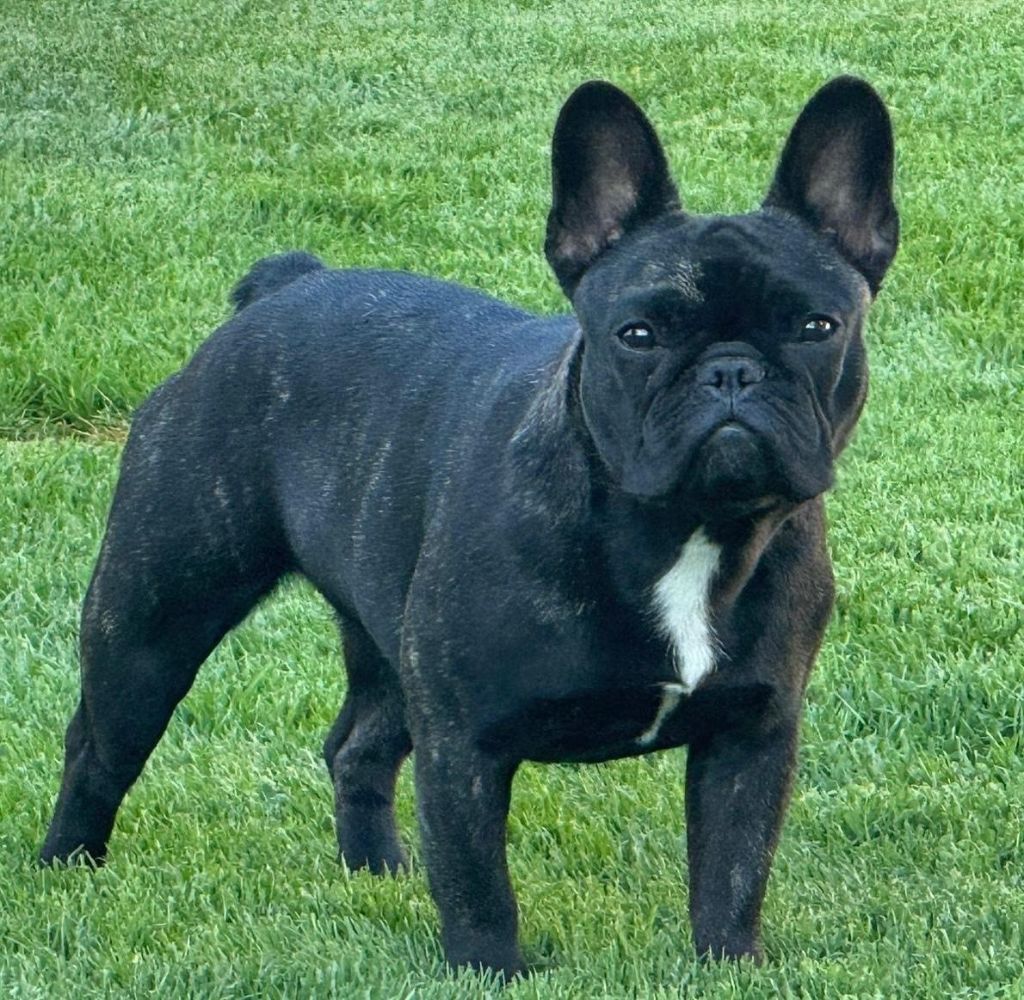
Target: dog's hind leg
135 669
170 581
364 752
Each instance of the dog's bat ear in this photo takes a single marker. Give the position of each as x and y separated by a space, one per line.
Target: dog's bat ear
608 175
836 171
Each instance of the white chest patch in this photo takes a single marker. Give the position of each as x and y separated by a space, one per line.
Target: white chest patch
681 602
671 695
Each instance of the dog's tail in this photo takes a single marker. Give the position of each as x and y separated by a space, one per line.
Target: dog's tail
272 273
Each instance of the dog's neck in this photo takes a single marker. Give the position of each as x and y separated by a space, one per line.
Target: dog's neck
644 544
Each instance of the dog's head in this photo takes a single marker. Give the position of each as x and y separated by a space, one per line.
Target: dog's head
722 356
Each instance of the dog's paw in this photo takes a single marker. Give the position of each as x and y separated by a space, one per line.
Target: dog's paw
76 857
486 957
732 948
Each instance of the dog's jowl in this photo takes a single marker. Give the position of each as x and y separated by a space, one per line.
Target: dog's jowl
548 539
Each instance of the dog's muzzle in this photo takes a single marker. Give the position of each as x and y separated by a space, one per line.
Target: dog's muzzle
729 370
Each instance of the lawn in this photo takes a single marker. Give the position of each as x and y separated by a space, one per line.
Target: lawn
149 152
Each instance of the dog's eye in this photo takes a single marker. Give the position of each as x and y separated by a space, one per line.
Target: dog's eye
816 328
637 337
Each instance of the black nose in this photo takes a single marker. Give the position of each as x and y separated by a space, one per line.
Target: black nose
730 375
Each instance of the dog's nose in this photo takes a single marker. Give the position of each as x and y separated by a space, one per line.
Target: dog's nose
730 375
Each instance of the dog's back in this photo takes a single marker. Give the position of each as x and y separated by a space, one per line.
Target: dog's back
330 398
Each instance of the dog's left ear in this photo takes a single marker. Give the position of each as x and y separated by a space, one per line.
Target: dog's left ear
608 176
836 170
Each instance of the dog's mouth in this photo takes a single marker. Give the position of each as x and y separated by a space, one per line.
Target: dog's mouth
730 473
728 462
732 465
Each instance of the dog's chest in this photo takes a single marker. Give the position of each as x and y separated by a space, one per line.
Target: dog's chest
682 602
640 702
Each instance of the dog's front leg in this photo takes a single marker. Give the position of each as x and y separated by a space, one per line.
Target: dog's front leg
463 798
737 787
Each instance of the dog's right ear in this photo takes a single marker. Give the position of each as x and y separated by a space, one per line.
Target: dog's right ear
608 175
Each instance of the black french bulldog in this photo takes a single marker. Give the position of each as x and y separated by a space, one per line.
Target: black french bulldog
546 539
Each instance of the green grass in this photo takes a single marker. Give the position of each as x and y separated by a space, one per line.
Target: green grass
150 151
